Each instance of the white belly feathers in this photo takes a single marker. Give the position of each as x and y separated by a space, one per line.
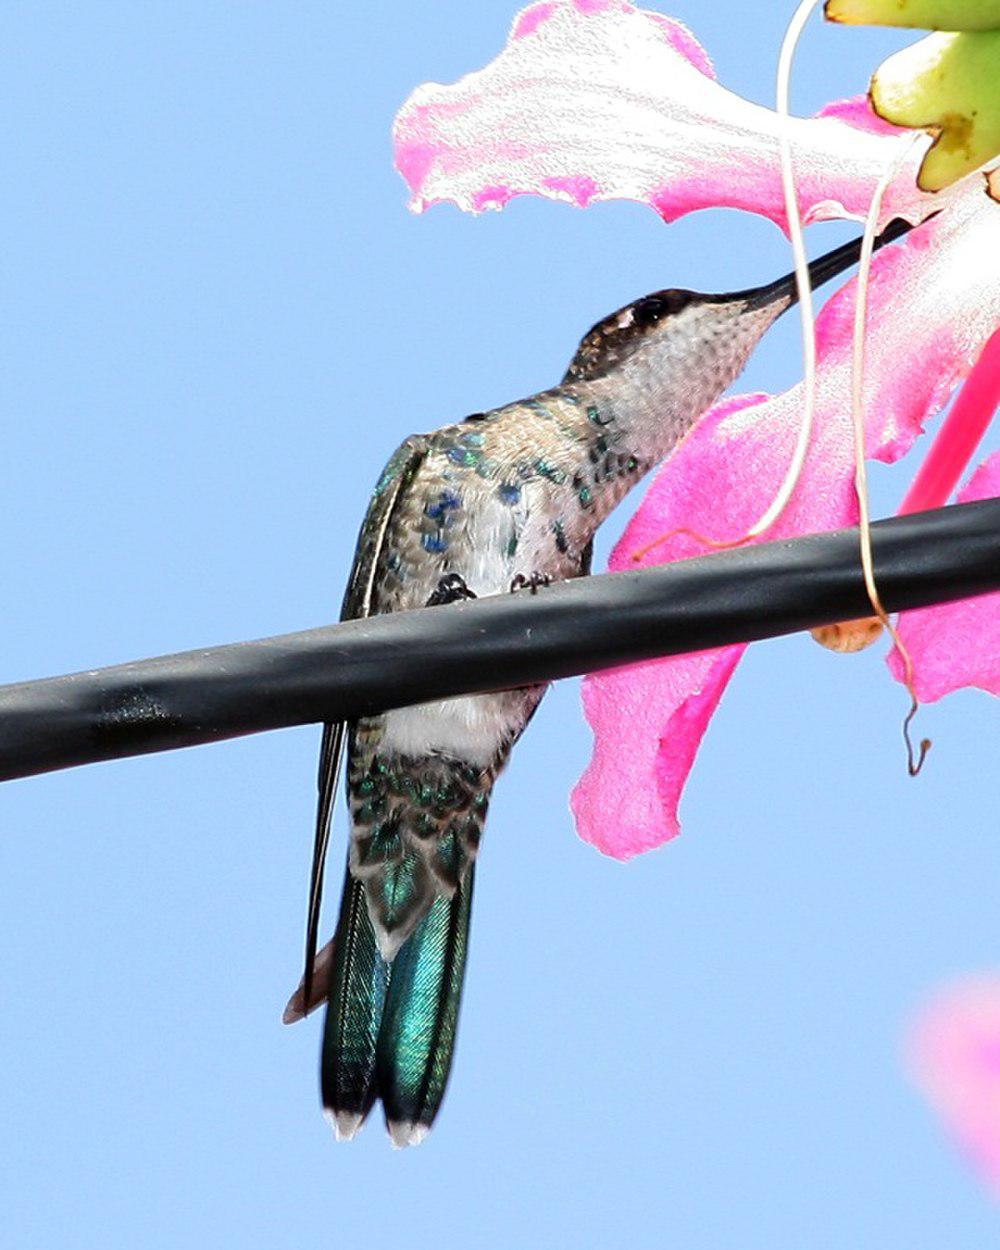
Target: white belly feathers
471 728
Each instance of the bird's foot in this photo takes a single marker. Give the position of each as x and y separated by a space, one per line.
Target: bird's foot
531 583
450 589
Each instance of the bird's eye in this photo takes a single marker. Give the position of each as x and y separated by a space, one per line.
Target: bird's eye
661 304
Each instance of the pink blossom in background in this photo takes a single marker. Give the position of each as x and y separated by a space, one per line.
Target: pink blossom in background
954 1056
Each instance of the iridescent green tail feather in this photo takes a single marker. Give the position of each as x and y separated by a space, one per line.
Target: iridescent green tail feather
419 1021
390 1027
358 985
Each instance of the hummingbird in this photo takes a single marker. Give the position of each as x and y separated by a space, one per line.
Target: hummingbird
507 500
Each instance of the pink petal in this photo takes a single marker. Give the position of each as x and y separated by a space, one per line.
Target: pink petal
601 94
648 719
955 1058
956 644
626 802
857 111
960 434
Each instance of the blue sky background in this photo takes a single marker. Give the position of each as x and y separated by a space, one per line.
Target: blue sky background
218 320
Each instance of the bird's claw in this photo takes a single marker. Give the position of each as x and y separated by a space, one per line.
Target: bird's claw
450 589
531 583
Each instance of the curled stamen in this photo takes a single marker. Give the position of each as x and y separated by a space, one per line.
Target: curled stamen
915 761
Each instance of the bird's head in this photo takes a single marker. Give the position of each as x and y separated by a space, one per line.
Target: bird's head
691 329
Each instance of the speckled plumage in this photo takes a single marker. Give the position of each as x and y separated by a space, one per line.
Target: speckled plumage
517 491
513 493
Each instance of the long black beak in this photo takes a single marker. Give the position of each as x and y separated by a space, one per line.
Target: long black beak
821 270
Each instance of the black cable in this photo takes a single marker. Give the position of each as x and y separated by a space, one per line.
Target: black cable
341 671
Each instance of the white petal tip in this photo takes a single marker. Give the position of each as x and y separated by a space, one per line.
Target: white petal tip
345 1124
405 1133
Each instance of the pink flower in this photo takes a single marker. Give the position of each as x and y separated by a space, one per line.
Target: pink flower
597 99
955 1059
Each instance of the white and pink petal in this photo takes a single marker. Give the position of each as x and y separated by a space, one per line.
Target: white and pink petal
599 100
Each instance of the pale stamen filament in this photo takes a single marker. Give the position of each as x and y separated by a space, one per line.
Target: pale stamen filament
914 759
805 300
802 283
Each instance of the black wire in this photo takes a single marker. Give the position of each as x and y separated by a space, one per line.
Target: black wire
341 671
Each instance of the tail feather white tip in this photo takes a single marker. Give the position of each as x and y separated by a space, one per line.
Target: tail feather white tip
345 1124
405 1133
